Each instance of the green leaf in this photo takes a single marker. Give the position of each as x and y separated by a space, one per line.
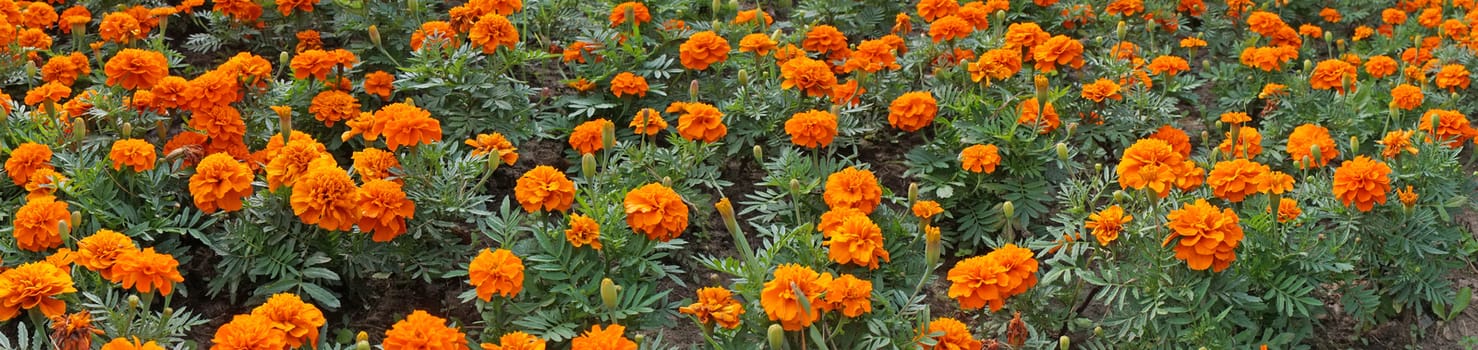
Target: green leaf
320 295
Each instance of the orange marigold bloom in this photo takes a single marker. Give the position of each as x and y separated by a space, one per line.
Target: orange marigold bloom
375 164
781 303
136 69
498 272
1363 182
314 63
699 121
954 335
383 209
980 158
992 278
1453 76
648 122
502 7
1406 96
1249 143
1108 223
312 40
872 56
703 49
1333 74
1268 58
1407 196
294 160
65 69
492 31
629 84
812 76
119 27
847 94
146 270
51 91
249 332
331 106
1396 142
379 83
516 341
760 44
1101 89
26 159
1452 127
656 211
407 125
912 111
299 321
716 305
583 230
638 10
750 15
1170 65
824 39
1149 163
949 28
1236 179
135 153
902 24
1311 31
1393 16
1271 90
586 138
43 183
220 182
135 344
933 9
327 197
1304 138
851 295
856 241
1036 115
101 250
35 225
812 129
1025 35
611 338
1235 118
926 209
996 64
495 142
1208 236
1288 209
974 12
1192 42
34 285
546 188
421 330
1059 50
1330 15
286 7
853 188
1125 7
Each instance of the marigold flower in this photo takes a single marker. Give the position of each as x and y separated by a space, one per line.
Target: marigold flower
1304 138
1407 196
856 241
498 272
1333 74
980 158
699 121
872 56
587 137
126 344
703 49
751 15
1059 50
384 209
27 159
648 122
146 270
1170 65
136 69
101 250
902 24
1125 7
992 278
954 335
1452 127
1208 236
912 111
135 153
656 211
1267 58
492 31
495 142
406 125
611 338
516 341
34 285
546 188
43 183
331 106
949 28
35 226
1108 223
119 27
1150 163
926 209
313 63
853 188
629 84
832 219
294 160
583 230
1396 142
327 197
1100 90
65 69
851 295
375 164
1453 76
933 9
812 76
781 303
1046 120
824 39
759 44
716 305
379 83
299 321
421 330
1249 143
1192 42
286 7
812 129
638 10
1234 180
1406 96
996 64
53 92
1363 182
249 331
1287 209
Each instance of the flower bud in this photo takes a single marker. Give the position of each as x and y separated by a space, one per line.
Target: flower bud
1008 209
608 293
693 90
777 337
415 5
283 60
1120 196
361 337
776 35
743 77
1062 153
1355 145
168 312
1098 167
795 187
1308 65
587 165
639 339
493 161
1340 44
1040 82
608 135
133 301
1071 127
79 129
913 192
759 154
64 228
726 210
127 130
667 181
1064 343
1119 31
1328 36
374 34
1316 152
932 245
285 122
1098 331
30 69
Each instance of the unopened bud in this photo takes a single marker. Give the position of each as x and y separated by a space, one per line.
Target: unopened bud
30 69
79 128
913 192
743 77
795 187
1064 343
932 245
1098 167
415 5
587 165
667 181
639 338
1340 44
1119 31
168 312
608 293
693 90
759 154
726 211
1008 209
1040 82
1308 65
1098 331
1120 196
608 135
777 337
1062 153
1354 145
76 218
1071 127
133 301
1328 36
374 34
283 60
127 130
361 337
1317 154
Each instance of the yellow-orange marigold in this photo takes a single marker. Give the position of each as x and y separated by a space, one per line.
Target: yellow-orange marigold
35 226
492 31
544 188
299 321
135 153
583 231
496 272
421 330
1362 182
1108 223
851 295
656 211
992 278
327 197
146 270
781 302
812 129
610 338
101 250
384 209
648 122
980 158
857 241
912 111
26 159
495 145
702 50
953 335
1234 180
1208 236
853 188
699 121
716 305
136 69
35 285
812 76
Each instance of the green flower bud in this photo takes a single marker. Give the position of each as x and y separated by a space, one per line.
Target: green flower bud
777 337
1009 209
759 154
913 192
1064 343
374 34
587 165
1062 153
608 293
